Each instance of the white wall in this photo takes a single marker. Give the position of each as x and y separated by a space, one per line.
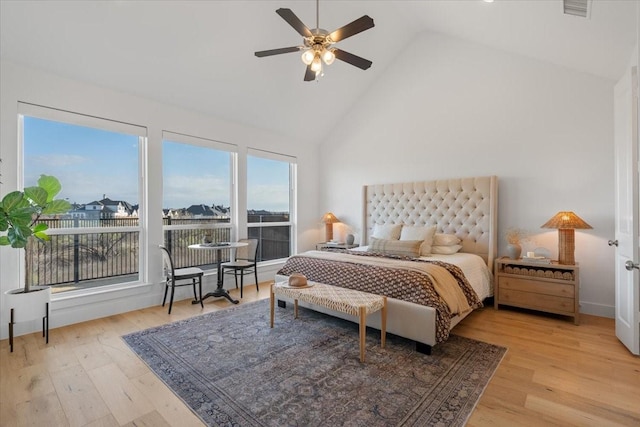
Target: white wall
18 83
448 108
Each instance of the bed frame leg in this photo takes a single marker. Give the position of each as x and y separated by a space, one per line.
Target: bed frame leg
423 348
282 304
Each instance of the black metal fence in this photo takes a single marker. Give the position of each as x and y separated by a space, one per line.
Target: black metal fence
274 241
73 258
85 257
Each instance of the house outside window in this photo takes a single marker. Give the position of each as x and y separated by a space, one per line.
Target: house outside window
271 201
198 196
98 163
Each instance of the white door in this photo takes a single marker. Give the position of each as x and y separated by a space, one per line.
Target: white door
626 215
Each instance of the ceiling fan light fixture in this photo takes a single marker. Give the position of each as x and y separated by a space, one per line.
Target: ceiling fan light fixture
307 56
316 64
328 56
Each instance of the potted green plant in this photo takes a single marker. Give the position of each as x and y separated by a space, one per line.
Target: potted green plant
19 215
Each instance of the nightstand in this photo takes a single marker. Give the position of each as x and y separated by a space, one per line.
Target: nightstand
552 288
329 245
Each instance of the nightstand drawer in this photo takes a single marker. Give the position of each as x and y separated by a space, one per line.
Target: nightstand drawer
535 286
535 301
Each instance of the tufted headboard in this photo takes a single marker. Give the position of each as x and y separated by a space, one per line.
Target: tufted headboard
466 207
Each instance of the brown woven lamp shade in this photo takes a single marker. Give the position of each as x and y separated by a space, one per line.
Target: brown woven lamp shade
329 219
566 222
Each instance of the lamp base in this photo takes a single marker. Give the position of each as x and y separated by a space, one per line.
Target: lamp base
566 246
329 231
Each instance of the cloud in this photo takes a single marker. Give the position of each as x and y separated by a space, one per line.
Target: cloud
57 160
274 198
182 191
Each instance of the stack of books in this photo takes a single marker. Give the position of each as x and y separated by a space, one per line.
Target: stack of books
537 259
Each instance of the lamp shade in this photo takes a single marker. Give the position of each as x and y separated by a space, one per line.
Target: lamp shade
565 222
329 218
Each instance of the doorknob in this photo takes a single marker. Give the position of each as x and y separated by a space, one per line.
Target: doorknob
629 265
612 243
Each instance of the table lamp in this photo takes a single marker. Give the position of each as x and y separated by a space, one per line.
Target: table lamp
566 222
329 219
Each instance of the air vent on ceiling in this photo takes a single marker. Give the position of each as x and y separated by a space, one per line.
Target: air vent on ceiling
580 8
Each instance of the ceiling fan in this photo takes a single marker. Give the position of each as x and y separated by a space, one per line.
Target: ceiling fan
318 43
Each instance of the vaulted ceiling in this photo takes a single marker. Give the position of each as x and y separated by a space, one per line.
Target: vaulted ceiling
199 54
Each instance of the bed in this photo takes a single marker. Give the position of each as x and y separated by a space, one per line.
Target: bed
465 208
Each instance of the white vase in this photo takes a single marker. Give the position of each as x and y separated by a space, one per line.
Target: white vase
26 307
514 250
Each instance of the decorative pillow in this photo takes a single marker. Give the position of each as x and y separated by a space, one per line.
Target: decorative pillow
445 239
386 231
410 248
424 233
445 250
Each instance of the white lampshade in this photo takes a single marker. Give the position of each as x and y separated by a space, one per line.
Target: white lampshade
328 56
316 64
307 56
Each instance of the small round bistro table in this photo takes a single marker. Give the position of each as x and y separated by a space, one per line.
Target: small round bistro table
218 247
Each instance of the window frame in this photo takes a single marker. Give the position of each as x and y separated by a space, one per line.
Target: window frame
232 150
85 120
292 223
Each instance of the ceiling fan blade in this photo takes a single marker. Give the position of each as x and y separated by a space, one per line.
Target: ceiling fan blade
309 75
262 53
359 25
294 21
352 59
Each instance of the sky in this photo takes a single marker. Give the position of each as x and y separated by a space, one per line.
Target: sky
92 163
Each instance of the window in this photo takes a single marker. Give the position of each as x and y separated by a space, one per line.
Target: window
197 196
98 163
271 203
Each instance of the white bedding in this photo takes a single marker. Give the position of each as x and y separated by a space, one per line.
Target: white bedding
473 267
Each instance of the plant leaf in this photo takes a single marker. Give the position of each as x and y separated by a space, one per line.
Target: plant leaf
51 185
39 227
37 195
21 216
13 200
57 207
41 235
18 236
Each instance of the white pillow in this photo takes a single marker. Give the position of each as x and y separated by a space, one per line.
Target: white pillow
424 233
386 231
445 239
445 250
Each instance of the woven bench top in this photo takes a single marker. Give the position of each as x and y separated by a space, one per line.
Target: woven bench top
332 297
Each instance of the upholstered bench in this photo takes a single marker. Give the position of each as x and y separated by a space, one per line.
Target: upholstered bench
348 301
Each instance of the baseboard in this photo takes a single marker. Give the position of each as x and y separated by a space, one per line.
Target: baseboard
595 309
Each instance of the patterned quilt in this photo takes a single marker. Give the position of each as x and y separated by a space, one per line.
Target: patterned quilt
407 284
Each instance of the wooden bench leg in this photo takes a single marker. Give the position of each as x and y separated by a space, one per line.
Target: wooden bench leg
295 308
363 331
271 303
383 324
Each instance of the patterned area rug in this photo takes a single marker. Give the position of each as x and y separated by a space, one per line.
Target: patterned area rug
231 369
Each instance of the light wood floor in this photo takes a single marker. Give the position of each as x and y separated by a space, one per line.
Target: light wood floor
554 373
